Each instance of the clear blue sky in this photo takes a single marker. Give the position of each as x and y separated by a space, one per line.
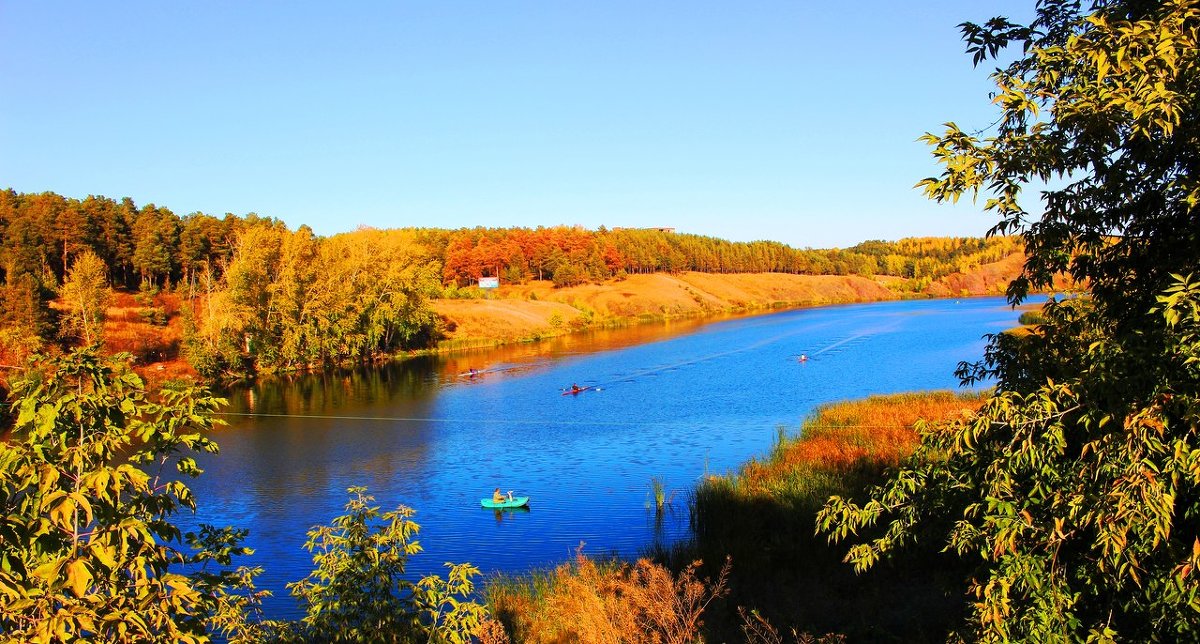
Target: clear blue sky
793 121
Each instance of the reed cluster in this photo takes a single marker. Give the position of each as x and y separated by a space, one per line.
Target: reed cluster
658 487
596 601
764 517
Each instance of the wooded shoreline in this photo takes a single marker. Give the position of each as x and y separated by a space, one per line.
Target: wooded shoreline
241 296
515 314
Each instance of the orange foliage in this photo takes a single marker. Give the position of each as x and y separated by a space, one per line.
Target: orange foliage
878 430
640 603
155 348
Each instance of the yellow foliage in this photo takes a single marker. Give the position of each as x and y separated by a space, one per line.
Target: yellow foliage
609 603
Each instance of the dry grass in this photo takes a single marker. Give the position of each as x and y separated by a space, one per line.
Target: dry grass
841 449
523 311
503 320
155 347
989 279
607 603
878 430
764 290
765 517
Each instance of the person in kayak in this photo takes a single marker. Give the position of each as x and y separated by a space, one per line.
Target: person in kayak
575 388
498 496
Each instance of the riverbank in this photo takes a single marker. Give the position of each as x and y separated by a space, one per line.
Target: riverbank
537 310
150 327
764 517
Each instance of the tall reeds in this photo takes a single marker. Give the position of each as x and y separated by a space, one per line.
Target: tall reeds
658 488
598 602
764 516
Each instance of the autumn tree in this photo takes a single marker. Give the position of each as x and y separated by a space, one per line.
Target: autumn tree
26 320
205 244
111 238
292 300
85 294
235 320
1075 492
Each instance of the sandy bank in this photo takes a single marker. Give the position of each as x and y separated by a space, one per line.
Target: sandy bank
537 309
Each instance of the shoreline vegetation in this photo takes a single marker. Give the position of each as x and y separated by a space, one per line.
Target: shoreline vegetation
537 310
268 301
754 572
764 516
234 297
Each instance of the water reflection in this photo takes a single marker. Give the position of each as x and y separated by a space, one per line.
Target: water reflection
503 514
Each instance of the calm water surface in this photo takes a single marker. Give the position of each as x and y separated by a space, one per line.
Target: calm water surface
672 401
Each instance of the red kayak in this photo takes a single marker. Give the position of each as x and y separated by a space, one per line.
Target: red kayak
576 390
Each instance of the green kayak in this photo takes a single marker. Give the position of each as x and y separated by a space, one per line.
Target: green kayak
516 502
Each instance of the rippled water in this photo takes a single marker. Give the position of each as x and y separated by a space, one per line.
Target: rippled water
670 401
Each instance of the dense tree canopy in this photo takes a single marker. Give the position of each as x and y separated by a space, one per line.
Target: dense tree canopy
1075 492
290 299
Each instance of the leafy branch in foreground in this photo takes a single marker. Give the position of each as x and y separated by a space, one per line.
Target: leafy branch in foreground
1075 491
90 477
1083 513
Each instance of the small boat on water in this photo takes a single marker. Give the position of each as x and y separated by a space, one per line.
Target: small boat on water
577 390
514 502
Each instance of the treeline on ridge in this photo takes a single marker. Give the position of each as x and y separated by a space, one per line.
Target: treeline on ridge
262 296
572 255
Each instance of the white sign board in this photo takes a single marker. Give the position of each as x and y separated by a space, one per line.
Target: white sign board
489 282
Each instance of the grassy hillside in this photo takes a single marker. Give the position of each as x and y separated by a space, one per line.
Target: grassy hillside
537 309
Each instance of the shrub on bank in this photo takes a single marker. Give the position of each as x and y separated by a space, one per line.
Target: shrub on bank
590 601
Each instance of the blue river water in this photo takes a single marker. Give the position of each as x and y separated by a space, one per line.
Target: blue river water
670 401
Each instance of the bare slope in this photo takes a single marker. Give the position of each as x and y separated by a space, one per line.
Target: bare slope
538 309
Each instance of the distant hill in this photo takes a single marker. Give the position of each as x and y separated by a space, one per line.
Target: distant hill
538 309
245 294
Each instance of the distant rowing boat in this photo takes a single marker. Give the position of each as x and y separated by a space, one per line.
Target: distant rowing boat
578 390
